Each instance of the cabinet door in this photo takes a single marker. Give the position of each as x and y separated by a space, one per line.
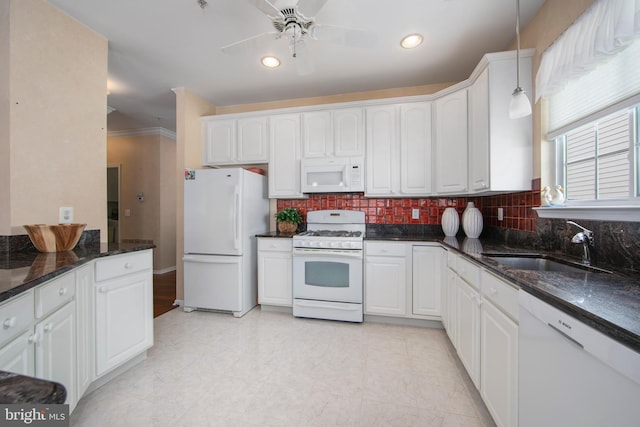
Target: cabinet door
479 133
427 278
220 137
385 286
468 329
252 140
284 156
317 135
451 143
499 364
124 319
348 132
275 278
415 148
56 349
382 140
18 355
84 328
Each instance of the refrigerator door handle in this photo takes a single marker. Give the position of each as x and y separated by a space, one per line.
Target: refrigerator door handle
236 221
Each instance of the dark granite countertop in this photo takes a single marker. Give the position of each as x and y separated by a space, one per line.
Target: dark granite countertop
15 388
21 271
609 303
275 234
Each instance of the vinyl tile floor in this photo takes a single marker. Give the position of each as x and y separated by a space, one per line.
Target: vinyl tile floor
271 369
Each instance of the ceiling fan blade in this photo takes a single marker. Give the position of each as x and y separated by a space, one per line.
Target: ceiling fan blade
266 7
344 36
301 58
309 8
251 44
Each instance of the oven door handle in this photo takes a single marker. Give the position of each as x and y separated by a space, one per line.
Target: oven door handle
354 254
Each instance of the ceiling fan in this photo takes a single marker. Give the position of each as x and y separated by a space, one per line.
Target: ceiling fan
295 21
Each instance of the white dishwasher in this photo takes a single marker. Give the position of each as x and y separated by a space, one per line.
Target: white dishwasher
569 374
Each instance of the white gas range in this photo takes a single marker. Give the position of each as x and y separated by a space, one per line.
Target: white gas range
328 266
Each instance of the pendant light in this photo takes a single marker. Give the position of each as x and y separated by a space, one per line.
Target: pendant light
520 106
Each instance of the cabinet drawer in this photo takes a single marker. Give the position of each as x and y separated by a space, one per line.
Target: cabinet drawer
54 294
275 244
120 265
501 293
15 316
385 249
469 272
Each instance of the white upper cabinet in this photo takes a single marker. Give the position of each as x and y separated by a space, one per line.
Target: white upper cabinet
415 148
284 156
382 156
230 141
333 133
399 150
500 148
451 143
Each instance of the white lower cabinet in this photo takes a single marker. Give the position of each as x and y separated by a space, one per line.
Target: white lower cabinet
275 271
468 329
428 265
56 350
124 309
385 271
482 323
85 352
18 355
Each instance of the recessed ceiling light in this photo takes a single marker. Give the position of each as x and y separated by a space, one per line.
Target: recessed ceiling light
270 61
411 41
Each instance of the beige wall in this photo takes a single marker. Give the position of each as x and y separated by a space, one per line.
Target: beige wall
147 165
553 18
189 109
56 118
5 164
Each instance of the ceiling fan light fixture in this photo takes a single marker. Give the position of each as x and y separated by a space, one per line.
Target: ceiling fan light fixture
270 62
411 41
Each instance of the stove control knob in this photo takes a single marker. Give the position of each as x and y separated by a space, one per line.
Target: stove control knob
335 244
322 244
346 244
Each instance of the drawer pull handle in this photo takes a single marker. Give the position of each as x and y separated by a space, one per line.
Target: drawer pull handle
9 323
62 291
32 338
494 291
48 327
103 289
128 265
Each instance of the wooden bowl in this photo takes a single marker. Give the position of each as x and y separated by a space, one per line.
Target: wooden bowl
56 237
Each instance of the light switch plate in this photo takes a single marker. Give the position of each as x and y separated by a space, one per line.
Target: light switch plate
500 214
66 215
415 213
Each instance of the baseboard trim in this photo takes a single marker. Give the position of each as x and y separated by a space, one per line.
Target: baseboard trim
179 302
403 321
165 270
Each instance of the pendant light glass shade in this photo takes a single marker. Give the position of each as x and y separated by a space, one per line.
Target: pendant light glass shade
520 106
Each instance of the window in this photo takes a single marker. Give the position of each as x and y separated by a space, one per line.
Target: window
599 160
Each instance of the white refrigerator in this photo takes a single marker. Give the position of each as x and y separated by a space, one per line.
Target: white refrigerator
223 211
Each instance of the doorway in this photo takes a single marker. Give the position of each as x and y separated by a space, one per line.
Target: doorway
113 203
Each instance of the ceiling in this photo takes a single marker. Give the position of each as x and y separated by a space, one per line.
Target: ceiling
157 45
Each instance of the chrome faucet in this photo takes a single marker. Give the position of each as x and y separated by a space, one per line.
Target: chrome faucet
586 238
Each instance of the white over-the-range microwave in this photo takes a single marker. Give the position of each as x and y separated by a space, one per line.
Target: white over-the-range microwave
332 175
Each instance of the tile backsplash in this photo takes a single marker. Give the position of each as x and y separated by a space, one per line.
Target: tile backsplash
517 207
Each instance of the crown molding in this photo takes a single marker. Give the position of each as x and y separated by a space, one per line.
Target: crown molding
143 131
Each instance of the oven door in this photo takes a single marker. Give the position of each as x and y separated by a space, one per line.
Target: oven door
327 275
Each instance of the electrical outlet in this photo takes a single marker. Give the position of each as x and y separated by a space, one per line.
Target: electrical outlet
500 214
415 213
66 215
127 212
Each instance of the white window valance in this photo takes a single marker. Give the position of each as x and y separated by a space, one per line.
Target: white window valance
604 29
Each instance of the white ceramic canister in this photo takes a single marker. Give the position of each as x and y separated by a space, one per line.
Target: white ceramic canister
472 221
450 222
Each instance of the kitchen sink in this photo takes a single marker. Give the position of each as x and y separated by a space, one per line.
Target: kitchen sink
540 262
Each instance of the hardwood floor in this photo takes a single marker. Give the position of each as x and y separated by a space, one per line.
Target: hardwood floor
164 293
